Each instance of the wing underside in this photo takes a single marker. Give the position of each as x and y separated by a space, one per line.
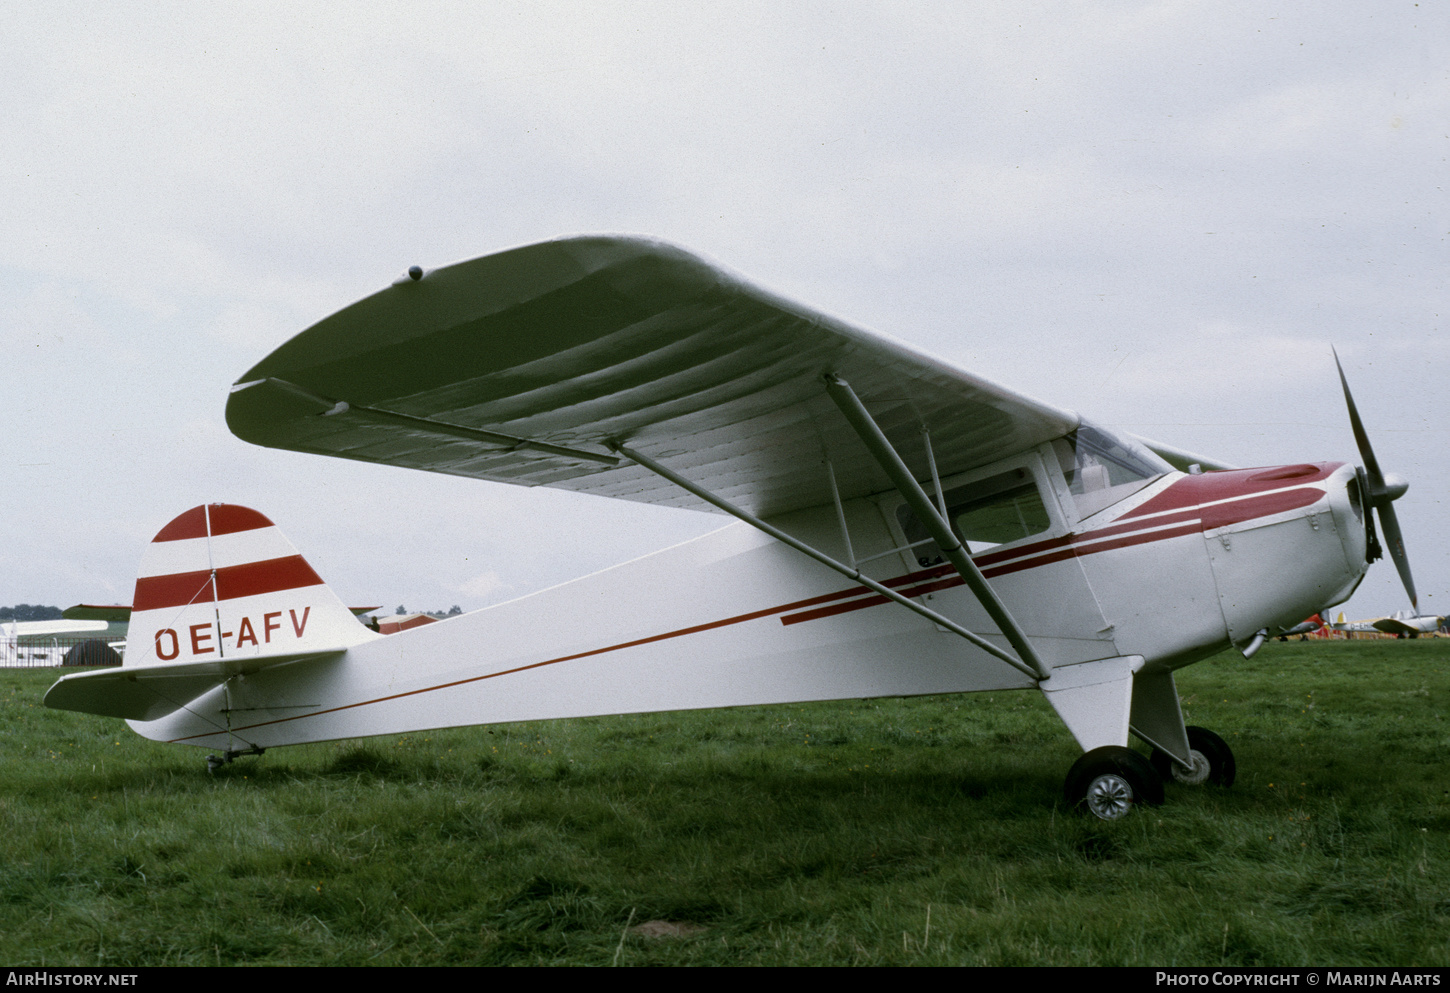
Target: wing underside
523 367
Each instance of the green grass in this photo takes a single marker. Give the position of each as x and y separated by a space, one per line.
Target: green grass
816 834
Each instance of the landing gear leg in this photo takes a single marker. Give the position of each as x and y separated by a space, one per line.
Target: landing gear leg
1109 782
1212 760
215 762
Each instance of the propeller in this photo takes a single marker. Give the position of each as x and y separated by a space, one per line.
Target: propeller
1379 490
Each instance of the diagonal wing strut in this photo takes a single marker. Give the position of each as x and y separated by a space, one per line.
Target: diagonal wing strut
880 447
1029 664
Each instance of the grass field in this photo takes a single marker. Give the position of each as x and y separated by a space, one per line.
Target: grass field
888 832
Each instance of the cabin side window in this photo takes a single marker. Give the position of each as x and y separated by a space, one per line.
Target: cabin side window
984 513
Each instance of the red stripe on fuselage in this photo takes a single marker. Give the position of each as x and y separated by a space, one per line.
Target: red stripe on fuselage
947 582
1191 520
1103 539
1212 487
696 629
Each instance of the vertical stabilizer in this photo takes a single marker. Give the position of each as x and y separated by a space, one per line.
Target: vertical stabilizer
221 582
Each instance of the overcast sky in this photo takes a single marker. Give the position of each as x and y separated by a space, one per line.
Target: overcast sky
1161 215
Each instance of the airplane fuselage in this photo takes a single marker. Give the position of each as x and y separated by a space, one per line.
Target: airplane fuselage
1175 572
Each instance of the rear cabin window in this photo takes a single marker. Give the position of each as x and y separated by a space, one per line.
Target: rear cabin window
984 513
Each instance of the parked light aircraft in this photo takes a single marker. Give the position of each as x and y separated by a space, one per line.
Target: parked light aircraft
905 527
1401 624
1305 627
63 641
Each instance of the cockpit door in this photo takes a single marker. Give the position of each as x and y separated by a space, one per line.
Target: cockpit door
1009 516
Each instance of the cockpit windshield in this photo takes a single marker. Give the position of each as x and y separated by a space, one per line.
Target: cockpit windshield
1103 468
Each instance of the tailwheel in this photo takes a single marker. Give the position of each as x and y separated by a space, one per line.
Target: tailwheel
1212 760
1109 781
215 762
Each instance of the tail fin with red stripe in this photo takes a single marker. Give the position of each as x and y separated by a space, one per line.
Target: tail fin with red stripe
220 592
222 582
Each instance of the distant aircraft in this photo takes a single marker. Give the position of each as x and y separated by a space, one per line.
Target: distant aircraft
906 528
62 642
1402 624
1305 627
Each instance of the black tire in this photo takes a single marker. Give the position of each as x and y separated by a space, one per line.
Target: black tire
1108 782
1203 746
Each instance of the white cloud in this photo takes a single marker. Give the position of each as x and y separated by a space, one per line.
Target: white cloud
253 327
486 586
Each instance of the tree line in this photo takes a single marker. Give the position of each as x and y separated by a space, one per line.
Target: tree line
29 612
434 613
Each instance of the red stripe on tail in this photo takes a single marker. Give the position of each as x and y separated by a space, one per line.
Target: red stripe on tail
233 582
226 518
191 524
175 590
270 576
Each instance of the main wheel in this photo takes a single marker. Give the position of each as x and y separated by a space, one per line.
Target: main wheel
1108 782
1213 760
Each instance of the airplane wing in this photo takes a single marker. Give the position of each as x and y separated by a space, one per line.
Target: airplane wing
1408 623
1392 625
521 367
110 613
58 628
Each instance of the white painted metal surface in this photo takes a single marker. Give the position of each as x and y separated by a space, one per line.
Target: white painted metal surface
550 365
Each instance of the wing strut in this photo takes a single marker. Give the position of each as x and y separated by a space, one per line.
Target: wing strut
876 442
821 557
363 412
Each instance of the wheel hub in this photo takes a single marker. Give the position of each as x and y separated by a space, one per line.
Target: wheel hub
1195 775
1110 797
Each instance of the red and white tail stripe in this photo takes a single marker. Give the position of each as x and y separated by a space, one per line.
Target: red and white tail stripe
222 582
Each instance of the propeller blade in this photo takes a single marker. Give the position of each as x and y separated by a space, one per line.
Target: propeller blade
1371 464
1380 495
1396 545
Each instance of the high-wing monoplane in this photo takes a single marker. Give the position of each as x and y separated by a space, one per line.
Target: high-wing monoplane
904 527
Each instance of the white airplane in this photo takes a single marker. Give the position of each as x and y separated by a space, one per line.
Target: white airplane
82 636
905 528
1401 624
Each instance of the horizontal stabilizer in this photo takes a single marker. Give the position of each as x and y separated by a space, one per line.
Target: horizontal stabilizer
149 692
